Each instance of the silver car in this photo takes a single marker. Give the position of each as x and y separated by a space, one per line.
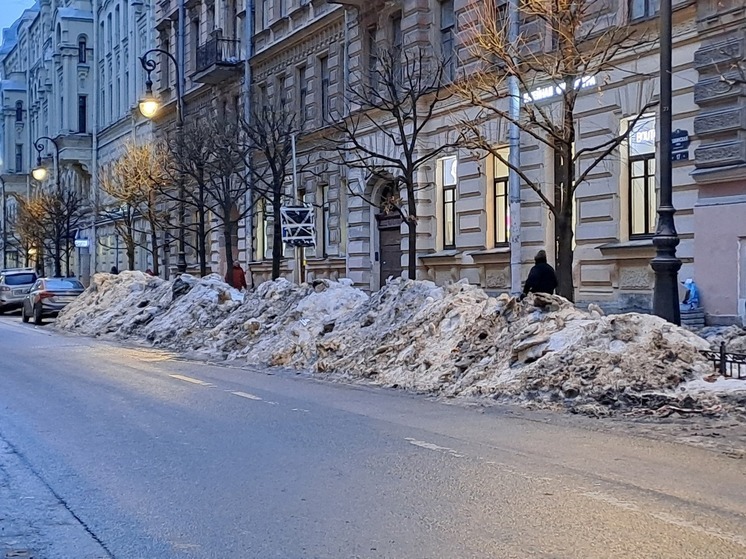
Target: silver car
14 284
48 296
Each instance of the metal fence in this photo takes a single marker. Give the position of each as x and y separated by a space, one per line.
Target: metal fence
218 51
727 364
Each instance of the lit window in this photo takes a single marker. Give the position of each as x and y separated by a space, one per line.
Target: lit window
502 201
641 186
448 182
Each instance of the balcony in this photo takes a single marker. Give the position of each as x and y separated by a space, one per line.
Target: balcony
218 60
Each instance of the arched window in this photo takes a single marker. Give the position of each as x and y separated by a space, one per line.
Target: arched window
82 50
19 111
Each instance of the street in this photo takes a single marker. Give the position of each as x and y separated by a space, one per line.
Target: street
109 451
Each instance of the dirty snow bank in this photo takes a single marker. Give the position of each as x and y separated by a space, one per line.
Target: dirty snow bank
456 340
453 340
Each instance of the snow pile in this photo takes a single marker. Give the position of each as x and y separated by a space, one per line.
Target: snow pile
133 304
453 340
733 336
279 322
456 340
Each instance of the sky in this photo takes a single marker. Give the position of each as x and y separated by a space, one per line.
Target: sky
11 10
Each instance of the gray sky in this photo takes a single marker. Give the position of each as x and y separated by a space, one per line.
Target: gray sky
11 10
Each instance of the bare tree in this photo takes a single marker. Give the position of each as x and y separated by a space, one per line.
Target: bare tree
134 182
51 216
269 132
565 46
26 230
386 133
188 154
227 177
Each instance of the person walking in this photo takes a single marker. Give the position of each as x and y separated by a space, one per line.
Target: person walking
236 277
541 278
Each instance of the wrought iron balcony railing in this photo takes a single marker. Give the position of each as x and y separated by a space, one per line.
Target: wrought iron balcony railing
218 51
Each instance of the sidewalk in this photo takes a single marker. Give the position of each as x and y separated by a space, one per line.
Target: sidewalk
34 524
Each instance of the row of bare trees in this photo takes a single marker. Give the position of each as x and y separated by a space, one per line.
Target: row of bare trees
384 128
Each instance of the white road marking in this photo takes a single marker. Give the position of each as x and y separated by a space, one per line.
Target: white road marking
667 518
246 395
271 403
301 409
190 379
435 447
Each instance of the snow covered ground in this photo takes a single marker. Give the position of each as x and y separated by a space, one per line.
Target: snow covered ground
453 340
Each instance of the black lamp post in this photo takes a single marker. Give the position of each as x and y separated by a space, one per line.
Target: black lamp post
149 106
665 264
40 173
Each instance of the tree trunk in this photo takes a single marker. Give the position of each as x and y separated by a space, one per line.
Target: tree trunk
276 237
228 240
154 248
130 247
57 257
201 241
565 286
412 252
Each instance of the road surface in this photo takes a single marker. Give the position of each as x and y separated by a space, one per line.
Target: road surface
108 451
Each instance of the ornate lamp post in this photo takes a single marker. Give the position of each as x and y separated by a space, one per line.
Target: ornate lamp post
40 172
148 107
665 264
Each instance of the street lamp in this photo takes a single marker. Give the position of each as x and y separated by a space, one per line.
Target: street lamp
40 172
665 264
148 107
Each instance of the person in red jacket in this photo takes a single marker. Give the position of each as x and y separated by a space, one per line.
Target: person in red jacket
236 277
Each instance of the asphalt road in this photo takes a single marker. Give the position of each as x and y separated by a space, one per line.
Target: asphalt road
107 451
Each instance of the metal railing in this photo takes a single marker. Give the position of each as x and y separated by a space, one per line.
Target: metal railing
218 51
727 364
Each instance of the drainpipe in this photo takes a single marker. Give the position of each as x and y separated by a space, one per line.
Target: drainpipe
93 244
346 62
248 53
514 157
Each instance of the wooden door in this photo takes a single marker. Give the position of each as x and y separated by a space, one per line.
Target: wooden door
389 246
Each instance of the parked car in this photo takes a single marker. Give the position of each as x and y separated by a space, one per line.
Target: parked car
14 284
48 296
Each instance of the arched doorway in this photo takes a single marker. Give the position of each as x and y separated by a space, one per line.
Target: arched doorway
389 237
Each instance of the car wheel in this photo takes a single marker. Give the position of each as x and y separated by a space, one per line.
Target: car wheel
37 315
24 316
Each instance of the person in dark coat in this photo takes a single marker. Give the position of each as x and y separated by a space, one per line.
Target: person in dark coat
236 277
541 278
114 270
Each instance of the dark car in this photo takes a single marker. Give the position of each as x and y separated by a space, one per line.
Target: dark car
14 284
48 296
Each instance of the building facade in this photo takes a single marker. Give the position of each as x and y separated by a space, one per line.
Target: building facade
307 55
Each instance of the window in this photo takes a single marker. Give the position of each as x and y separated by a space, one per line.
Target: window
262 98
501 15
642 188
324 67
117 25
19 158
302 94
165 61
264 210
194 41
448 167
396 47
502 200
324 215
447 51
372 57
19 111
82 51
640 9
82 114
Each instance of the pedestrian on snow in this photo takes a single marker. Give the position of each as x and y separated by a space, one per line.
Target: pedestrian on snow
236 277
541 277
149 272
114 270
